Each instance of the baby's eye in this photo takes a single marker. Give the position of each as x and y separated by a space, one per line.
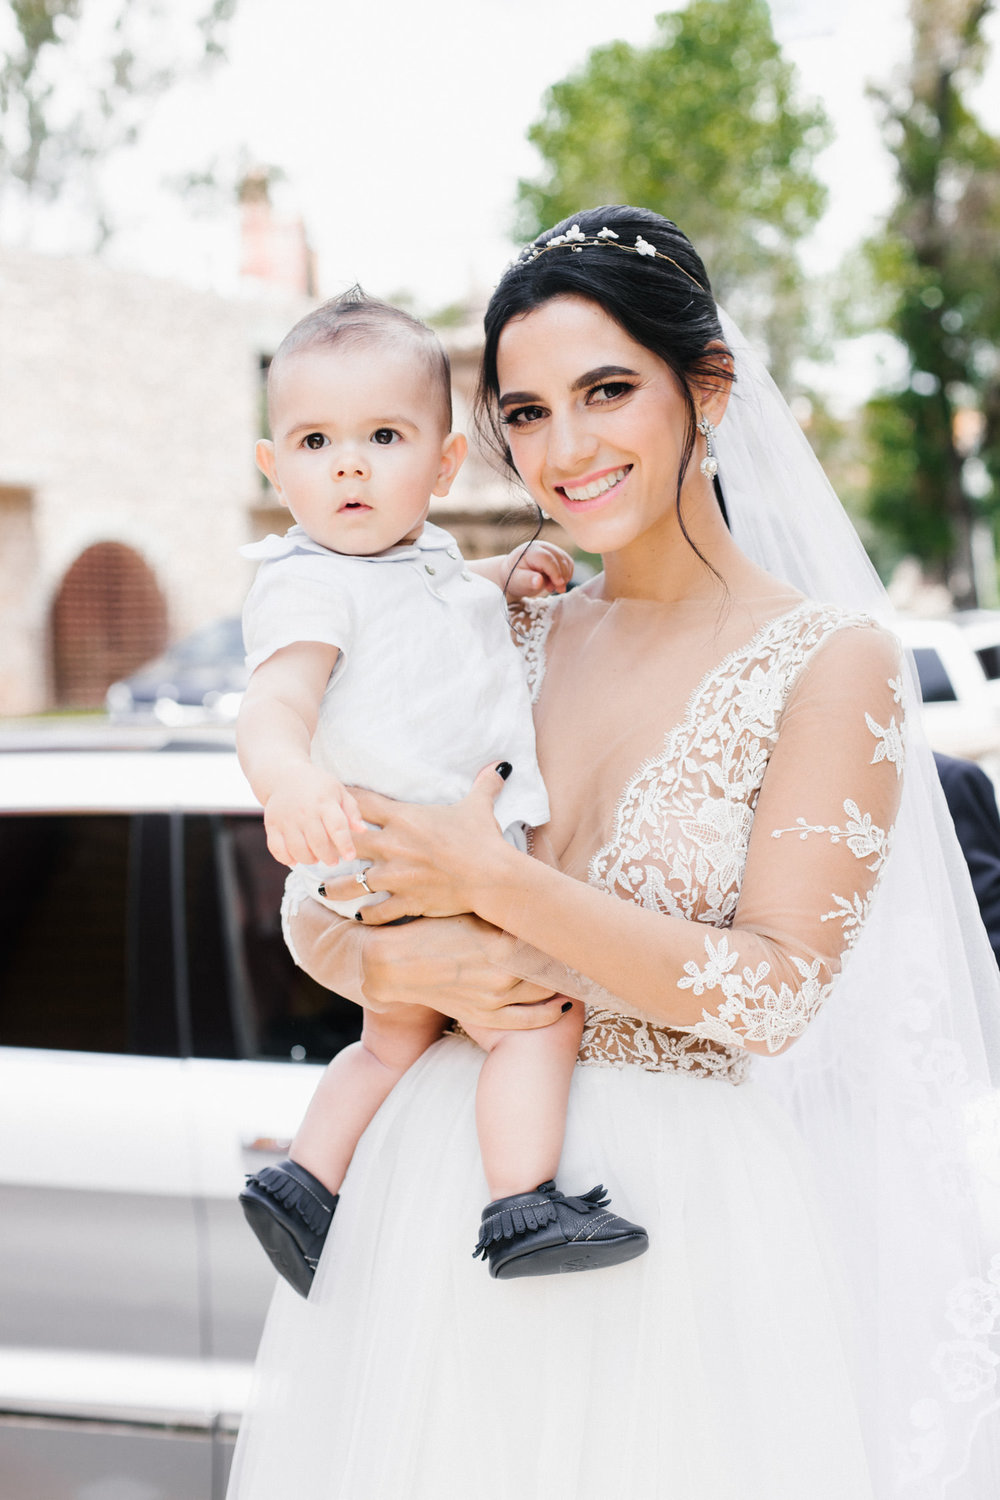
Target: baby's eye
522 416
385 435
315 440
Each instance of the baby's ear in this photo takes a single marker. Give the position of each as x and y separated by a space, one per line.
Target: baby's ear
264 456
453 452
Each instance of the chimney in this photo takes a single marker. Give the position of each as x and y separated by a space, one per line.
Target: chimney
273 248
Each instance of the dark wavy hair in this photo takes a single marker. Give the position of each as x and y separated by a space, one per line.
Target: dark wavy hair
666 305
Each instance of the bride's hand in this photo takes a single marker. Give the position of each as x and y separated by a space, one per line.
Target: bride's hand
453 966
430 859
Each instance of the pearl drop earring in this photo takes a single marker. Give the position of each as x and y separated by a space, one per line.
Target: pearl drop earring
710 464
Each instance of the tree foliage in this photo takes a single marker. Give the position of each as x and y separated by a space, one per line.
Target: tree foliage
704 126
78 80
935 444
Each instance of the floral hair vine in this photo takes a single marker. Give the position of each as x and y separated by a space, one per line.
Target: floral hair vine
575 239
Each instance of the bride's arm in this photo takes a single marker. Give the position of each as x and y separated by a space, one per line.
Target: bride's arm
819 840
454 965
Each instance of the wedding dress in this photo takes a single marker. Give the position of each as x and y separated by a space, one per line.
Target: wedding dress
715 1367
814 1319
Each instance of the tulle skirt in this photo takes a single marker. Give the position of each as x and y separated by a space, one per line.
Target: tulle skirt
717 1366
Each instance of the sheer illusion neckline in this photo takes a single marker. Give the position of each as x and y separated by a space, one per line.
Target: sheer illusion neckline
686 724
744 652
539 629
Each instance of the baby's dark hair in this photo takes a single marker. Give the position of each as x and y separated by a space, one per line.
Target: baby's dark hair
354 320
663 301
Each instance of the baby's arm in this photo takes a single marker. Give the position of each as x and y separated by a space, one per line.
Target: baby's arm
308 814
528 570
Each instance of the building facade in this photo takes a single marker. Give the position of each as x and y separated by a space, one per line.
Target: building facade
129 408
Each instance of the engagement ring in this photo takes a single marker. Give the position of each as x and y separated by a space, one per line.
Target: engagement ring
360 878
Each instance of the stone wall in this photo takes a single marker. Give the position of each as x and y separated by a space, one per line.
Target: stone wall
128 412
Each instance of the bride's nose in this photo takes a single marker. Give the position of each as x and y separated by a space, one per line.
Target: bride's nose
571 441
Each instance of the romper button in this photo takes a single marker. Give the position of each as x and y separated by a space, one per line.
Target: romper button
452 552
429 569
466 576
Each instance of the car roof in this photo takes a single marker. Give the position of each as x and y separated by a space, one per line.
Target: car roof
981 627
53 773
929 628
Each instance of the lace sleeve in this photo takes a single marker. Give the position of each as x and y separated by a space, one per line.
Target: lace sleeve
820 840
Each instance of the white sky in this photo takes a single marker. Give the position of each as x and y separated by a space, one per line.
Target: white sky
401 128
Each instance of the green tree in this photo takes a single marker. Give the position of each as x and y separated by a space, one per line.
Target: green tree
703 125
78 81
934 445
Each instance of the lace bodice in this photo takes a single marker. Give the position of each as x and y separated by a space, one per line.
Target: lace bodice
761 812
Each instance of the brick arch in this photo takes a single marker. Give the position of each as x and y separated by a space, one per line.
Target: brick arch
108 617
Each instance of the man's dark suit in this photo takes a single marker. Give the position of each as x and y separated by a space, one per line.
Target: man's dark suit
973 806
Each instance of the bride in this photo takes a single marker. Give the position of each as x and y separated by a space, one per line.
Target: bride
786 985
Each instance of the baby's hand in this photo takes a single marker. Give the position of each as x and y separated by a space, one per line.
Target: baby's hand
309 818
538 568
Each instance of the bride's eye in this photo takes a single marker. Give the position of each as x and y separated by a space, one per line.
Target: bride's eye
611 390
522 416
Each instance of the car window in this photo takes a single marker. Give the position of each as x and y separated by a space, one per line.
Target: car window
935 684
989 657
157 934
248 999
85 956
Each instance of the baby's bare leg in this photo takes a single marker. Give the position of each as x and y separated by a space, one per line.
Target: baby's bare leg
356 1083
521 1101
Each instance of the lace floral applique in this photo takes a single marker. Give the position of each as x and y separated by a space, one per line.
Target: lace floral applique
852 912
862 835
890 745
611 1040
965 1373
531 623
683 825
761 1012
865 839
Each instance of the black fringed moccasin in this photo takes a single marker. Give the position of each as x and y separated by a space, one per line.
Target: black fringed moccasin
290 1211
545 1233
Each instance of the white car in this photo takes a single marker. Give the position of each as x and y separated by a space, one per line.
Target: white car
156 1043
981 628
961 712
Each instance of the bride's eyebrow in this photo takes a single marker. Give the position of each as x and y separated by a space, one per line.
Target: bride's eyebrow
601 374
517 398
582 383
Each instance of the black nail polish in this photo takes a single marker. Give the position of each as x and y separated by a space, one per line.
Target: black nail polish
358 917
504 769
321 889
567 1006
